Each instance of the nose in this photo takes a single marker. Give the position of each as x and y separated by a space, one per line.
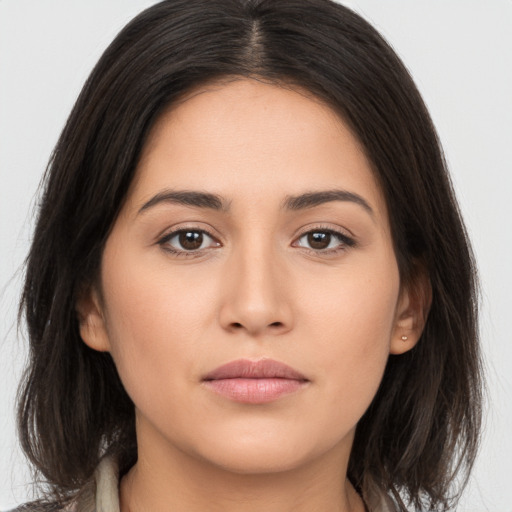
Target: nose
257 294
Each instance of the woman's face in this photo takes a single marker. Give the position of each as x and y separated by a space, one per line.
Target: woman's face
253 231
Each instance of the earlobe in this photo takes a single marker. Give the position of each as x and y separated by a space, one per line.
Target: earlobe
91 320
411 313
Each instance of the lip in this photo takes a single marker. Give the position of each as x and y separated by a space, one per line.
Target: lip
254 382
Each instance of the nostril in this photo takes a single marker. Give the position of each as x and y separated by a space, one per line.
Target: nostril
238 325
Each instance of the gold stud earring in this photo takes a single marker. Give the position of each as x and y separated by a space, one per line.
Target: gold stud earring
404 338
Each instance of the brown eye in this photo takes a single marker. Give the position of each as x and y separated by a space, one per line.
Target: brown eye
319 240
190 240
325 241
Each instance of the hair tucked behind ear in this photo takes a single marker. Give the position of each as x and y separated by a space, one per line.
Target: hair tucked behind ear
422 428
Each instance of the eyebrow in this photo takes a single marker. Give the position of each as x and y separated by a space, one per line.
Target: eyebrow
188 198
212 201
312 199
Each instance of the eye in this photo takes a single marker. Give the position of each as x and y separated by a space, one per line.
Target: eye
185 241
325 241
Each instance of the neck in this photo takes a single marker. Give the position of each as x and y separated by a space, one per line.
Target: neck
171 480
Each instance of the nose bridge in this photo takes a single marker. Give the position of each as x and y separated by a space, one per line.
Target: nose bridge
256 298
256 271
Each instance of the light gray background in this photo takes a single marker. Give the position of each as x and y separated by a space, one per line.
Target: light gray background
460 54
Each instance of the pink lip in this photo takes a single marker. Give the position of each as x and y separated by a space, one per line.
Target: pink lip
254 382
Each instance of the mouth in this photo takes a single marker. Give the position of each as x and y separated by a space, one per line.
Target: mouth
254 382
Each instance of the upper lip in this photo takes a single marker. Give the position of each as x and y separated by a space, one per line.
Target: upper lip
261 369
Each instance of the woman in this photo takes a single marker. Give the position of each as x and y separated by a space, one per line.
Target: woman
250 287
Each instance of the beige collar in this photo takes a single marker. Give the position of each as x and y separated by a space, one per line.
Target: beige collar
101 494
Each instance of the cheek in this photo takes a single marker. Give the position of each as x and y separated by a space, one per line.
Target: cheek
351 323
149 299
155 319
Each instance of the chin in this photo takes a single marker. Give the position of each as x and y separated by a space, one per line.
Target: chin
260 462
262 456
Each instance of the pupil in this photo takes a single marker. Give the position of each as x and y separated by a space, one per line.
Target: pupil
191 240
319 240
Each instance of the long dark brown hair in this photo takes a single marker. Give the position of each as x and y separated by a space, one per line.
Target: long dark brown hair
421 430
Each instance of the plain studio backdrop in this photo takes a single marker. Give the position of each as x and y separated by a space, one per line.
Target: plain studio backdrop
460 55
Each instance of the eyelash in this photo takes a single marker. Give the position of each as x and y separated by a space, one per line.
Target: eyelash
345 242
164 242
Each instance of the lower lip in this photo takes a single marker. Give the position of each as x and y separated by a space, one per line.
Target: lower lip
255 391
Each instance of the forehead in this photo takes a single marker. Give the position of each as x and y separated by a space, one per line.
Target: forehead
252 137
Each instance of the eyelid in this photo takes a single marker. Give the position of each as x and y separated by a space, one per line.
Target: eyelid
164 239
347 241
191 225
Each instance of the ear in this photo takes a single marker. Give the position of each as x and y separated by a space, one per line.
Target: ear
411 312
91 320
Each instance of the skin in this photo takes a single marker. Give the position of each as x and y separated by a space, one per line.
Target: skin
255 289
